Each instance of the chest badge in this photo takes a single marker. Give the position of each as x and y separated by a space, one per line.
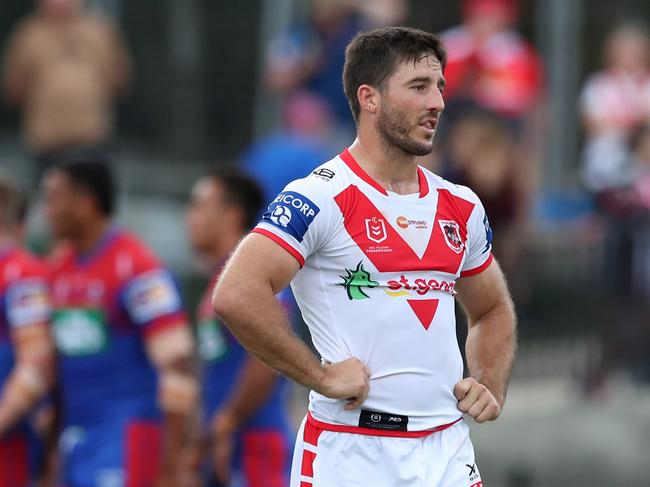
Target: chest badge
451 232
376 229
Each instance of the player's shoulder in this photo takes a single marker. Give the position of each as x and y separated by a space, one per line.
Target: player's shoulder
133 252
27 264
322 183
437 182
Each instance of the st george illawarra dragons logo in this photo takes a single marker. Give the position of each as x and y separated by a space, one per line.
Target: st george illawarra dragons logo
451 231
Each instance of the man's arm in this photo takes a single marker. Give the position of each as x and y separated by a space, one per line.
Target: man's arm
171 351
255 383
245 300
491 343
31 377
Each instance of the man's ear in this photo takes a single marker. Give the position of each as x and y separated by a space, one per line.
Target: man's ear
369 98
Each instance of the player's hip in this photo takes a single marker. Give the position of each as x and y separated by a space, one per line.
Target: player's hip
442 459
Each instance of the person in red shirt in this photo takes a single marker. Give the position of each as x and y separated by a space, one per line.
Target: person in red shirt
26 353
489 63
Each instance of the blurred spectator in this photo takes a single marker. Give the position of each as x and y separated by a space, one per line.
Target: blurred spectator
126 374
294 150
64 67
492 68
490 65
248 437
481 155
311 55
26 353
615 102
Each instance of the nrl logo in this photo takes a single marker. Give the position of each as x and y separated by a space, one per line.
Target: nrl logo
355 280
376 229
451 232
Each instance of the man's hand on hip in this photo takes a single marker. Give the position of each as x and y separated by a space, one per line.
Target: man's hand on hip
348 379
476 400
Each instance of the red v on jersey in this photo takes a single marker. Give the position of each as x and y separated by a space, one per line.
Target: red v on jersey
424 309
388 251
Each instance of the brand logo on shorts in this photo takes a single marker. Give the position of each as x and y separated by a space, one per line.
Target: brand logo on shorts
376 229
382 420
474 475
451 231
355 280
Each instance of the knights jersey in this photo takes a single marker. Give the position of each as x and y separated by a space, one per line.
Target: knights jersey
24 300
377 278
222 359
106 303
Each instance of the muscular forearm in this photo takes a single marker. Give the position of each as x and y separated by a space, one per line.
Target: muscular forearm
491 345
255 317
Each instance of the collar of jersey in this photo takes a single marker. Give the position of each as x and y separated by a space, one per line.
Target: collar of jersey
354 166
87 257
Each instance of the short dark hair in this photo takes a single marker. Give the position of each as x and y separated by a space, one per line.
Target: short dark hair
94 177
371 57
240 190
13 202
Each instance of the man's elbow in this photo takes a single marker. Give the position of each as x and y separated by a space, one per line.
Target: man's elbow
224 301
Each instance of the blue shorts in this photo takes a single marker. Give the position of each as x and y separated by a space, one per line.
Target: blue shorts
114 454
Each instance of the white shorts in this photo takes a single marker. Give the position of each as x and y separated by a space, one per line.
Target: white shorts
326 458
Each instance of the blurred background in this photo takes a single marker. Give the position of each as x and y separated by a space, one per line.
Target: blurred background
547 119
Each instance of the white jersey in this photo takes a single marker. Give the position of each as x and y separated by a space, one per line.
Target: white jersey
377 279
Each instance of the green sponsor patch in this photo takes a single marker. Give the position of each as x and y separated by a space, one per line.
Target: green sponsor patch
212 341
79 332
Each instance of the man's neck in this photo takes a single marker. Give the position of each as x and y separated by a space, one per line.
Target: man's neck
91 236
392 168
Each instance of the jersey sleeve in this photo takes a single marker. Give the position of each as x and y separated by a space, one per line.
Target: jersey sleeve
151 296
479 241
299 218
28 299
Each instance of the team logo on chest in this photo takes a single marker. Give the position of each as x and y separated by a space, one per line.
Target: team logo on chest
451 232
376 229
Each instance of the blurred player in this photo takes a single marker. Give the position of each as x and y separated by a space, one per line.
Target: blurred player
243 399
376 248
26 353
126 375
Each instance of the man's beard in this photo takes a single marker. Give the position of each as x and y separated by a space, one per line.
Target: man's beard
394 128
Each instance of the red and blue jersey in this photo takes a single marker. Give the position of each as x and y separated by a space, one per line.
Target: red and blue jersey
24 302
106 303
222 358
263 445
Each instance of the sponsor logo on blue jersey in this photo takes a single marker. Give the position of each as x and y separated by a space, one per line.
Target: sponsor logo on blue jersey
292 213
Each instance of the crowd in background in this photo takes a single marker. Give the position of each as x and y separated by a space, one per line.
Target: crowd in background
65 67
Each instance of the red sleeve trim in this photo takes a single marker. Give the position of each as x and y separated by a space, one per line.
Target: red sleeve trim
164 323
282 243
479 269
342 428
